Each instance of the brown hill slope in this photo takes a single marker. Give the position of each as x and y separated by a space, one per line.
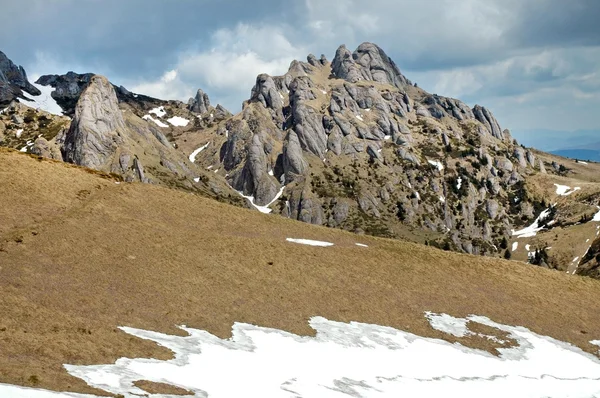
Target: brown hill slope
81 255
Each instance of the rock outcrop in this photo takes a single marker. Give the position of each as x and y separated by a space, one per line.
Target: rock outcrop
200 103
13 81
97 128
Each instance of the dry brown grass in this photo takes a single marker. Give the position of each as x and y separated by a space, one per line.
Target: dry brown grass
148 257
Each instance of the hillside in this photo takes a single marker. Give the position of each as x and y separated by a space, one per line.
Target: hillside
82 253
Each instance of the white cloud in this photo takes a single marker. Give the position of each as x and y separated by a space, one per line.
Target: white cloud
228 69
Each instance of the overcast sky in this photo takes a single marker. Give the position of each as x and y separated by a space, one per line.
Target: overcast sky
534 63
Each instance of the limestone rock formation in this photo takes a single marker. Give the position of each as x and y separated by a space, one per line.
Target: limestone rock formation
13 81
200 103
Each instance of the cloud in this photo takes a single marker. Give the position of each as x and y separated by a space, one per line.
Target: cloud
499 53
226 70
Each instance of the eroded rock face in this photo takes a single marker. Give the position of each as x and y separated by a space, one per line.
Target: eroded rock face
368 62
68 88
360 148
200 103
13 81
97 128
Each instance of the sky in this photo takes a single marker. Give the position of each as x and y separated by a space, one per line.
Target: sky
534 63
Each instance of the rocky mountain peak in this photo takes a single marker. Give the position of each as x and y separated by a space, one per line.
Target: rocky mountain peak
368 62
13 81
200 103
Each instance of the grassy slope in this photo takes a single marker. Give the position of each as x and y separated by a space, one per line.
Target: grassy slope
81 255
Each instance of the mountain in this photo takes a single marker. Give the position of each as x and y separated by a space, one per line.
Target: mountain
82 253
349 144
583 154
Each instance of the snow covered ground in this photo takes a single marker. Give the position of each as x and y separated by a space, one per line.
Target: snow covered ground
534 228
44 101
310 242
197 151
159 112
564 190
263 209
156 121
178 121
437 164
348 360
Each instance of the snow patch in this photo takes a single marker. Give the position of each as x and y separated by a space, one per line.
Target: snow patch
19 133
515 246
361 245
156 121
459 183
359 117
263 209
197 179
197 151
351 359
159 112
437 164
580 162
534 228
271 172
564 190
442 199
44 101
387 137
309 242
597 217
178 121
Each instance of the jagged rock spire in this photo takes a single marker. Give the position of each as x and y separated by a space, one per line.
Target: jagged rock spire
199 104
368 62
13 81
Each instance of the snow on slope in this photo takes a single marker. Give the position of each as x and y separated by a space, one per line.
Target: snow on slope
44 101
310 242
534 228
348 359
156 121
564 190
437 164
178 121
197 151
263 209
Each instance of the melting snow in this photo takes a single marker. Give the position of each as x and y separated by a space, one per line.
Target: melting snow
271 172
564 190
515 246
197 179
178 121
348 359
160 111
359 117
18 133
197 151
387 137
534 228
361 245
459 183
437 164
527 247
158 122
310 242
582 162
263 209
597 217
44 102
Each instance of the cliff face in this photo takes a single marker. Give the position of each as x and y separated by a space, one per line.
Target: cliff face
357 146
13 81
